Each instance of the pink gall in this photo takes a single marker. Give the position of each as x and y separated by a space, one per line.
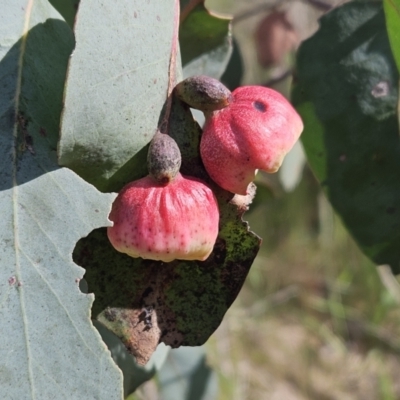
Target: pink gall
255 131
158 221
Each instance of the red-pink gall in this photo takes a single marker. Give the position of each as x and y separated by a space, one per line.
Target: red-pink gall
165 216
155 221
255 131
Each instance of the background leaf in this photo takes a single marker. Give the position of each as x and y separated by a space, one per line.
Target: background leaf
49 348
232 77
67 8
116 87
186 376
392 13
134 374
346 92
205 41
291 171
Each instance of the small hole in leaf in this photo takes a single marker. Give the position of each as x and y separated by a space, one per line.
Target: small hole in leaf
259 106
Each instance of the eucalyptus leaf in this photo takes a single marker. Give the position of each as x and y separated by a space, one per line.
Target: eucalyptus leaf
347 91
116 88
205 41
186 376
232 77
49 348
134 374
67 8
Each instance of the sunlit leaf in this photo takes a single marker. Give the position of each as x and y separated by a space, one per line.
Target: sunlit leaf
49 348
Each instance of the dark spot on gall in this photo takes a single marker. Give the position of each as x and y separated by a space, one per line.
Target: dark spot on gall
259 106
391 210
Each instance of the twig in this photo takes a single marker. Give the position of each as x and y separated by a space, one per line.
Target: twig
174 50
171 69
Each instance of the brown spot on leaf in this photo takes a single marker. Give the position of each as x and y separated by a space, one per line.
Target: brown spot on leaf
27 140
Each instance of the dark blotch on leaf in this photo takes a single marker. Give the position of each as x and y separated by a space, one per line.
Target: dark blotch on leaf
110 314
220 251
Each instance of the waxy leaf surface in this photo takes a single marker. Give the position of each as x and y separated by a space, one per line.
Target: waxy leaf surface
116 87
49 348
185 375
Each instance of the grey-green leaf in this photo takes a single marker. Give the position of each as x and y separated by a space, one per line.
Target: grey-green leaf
346 91
116 87
205 40
392 14
49 349
232 77
67 8
186 376
134 374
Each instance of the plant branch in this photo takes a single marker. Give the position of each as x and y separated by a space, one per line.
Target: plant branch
171 69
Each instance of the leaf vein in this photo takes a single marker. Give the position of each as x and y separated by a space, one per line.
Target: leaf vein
59 301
